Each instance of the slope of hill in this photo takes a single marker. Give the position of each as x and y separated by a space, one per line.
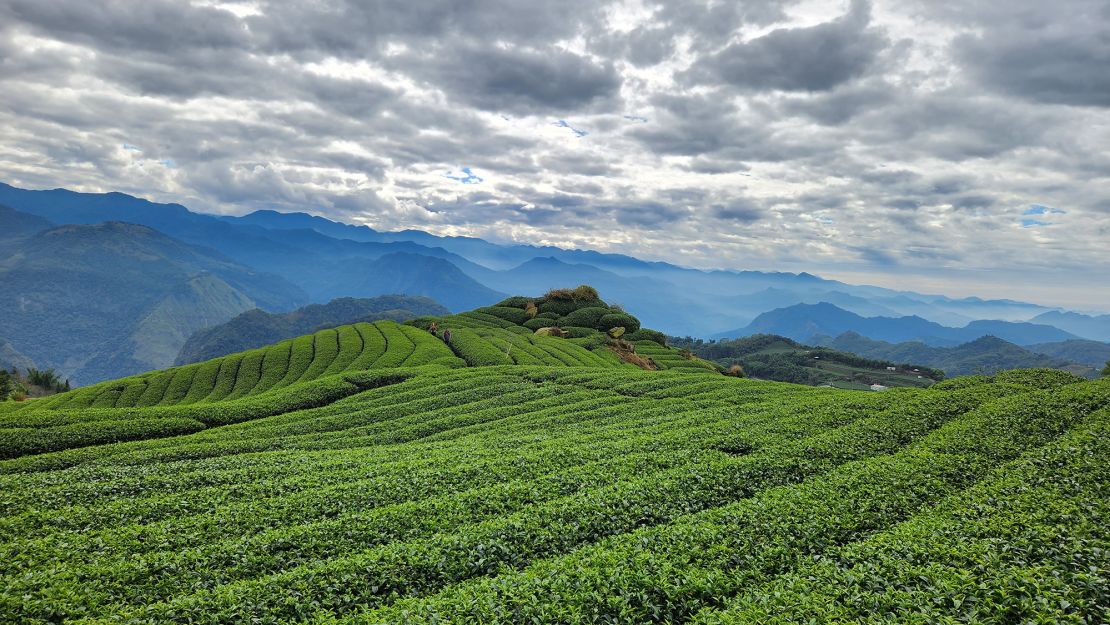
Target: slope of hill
1091 353
1093 327
256 328
446 493
17 226
770 357
805 322
985 355
11 357
106 300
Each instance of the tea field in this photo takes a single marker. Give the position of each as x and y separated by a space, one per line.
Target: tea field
378 473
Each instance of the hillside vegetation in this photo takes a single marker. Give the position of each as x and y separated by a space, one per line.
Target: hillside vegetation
983 356
771 357
256 328
377 473
577 316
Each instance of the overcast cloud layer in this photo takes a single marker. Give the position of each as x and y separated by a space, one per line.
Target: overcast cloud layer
944 145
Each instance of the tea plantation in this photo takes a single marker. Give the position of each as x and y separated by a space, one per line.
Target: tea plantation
378 473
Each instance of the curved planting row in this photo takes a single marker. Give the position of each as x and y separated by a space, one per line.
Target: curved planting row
558 494
357 347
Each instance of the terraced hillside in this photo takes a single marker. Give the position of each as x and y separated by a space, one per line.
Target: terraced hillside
459 492
579 317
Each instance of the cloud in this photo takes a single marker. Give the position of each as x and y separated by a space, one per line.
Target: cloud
770 134
814 58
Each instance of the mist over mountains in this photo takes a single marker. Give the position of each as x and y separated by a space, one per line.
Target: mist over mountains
87 273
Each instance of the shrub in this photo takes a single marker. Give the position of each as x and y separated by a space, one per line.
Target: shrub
476 351
515 315
579 332
557 307
517 301
615 320
644 334
537 323
552 331
587 317
735 370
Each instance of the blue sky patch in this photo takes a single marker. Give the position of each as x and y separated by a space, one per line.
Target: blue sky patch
562 123
1034 223
467 177
1037 209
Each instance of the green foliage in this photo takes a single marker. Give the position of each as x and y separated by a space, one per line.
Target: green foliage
555 493
538 322
644 334
622 320
516 301
588 317
1106 369
514 315
378 474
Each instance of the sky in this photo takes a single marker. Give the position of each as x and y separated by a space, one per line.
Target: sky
940 145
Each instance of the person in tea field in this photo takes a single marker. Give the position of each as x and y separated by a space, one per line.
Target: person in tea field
447 336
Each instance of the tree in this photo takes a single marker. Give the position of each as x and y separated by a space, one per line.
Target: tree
1106 370
6 387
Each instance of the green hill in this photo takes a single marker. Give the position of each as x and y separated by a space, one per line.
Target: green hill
773 357
256 327
376 473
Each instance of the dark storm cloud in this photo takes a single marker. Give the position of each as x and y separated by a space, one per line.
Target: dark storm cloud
517 80
815 58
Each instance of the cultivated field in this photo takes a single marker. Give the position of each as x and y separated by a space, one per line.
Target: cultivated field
376 474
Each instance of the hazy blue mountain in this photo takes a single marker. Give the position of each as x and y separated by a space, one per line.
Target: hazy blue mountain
1095 328
985 355
1092 353
416 274
323 257
256 328
16 226
803 322
107 300
11 357
322 266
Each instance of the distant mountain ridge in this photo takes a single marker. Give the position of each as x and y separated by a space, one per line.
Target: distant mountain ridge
807 322
317 254
1093 327
256 328
985 355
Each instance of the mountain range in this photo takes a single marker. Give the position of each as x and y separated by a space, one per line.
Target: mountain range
279 261
807 323
985 355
